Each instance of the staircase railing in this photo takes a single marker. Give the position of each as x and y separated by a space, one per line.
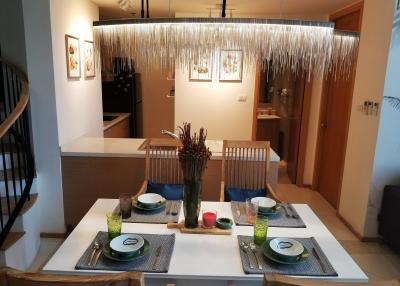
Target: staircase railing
17 169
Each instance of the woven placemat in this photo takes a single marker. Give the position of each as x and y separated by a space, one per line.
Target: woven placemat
310 267
156 216
276 220
143 264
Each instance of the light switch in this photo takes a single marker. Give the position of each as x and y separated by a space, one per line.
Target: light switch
242 98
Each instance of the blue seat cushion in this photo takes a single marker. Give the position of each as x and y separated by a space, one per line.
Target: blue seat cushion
240 195
168 191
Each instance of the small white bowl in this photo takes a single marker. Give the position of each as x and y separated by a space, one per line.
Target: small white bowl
127 243
264 202
286 247
150 199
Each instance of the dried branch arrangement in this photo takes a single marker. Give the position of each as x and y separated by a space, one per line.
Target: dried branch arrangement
194 153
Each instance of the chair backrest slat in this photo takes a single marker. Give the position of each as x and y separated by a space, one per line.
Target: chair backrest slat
245 164
162 161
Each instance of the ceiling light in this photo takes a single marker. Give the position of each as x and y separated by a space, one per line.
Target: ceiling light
164 42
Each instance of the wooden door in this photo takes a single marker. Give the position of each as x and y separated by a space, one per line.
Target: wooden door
295 128
334 118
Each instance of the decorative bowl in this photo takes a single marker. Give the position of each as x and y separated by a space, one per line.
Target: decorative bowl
224 223
264 204
150 199
127 244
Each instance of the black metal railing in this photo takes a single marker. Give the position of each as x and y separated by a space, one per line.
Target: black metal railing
17 169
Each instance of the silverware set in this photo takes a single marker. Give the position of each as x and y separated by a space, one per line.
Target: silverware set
172 209
316 255
289 211
156 257
97 247
251 247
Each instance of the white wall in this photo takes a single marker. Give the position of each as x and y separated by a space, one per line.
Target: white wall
79 102
43 113
386 169
369 83
214 105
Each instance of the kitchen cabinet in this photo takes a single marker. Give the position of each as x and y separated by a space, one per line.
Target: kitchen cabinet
268 130
117 128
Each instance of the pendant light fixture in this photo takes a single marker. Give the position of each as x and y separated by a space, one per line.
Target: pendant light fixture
166 42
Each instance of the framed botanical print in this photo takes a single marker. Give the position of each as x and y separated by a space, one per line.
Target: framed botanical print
73 57
231 65
201 70
89 65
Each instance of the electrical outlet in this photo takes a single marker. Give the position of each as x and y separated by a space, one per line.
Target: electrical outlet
242 98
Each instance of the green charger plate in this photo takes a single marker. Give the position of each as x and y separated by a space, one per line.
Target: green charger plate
110 254
273 211
271 255
140 206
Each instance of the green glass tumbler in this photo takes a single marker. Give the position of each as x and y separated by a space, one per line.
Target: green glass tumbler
114 223
260 229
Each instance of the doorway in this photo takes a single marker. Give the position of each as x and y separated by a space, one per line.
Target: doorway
334 118
281 117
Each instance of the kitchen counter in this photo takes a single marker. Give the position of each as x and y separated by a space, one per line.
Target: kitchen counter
120 116
128 147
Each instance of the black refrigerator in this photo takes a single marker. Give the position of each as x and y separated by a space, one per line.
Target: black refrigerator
123 93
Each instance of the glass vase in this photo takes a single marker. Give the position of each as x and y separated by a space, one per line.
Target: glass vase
191 202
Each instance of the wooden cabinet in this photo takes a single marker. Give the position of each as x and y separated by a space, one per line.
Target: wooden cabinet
118 130
268 130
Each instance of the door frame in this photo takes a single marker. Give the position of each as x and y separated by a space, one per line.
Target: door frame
324 97
305 116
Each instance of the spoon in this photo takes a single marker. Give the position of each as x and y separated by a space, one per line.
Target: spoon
96 247
254 249
245 248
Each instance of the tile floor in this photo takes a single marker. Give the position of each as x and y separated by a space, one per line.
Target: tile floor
380 264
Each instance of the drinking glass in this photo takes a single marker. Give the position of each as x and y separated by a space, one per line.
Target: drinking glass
125 205
251 210
114 223
209 218
260 229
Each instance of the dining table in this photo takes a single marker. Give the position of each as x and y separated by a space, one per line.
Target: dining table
203 259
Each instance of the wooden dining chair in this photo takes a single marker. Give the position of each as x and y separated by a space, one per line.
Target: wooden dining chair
163 170
245 167
12 277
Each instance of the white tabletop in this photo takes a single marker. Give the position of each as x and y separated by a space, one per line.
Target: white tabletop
211 257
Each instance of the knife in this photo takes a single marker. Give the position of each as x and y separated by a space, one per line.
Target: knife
157 257
238 211
316 255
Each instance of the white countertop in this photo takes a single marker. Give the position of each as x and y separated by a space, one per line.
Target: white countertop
128 147
208 259
267 116
111 123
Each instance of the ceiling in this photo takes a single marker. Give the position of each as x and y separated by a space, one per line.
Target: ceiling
302 9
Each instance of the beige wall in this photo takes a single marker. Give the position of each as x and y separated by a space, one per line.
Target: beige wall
158 109
214 105
369 84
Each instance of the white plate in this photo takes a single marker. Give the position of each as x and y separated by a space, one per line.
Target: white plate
150 199
286 246
264 202
127 243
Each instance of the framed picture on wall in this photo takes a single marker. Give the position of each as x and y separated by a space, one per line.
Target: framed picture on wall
89 65
73 57
231 65
201 70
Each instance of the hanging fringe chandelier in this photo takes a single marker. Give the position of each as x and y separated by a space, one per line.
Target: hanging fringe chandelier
167 42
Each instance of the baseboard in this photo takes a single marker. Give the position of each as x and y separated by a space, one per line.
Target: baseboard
53 235
358 235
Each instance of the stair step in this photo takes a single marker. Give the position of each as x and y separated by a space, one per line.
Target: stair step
11 238
28 204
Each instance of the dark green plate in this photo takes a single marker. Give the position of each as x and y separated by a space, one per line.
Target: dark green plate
110 254
273 211
140 206
271 255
